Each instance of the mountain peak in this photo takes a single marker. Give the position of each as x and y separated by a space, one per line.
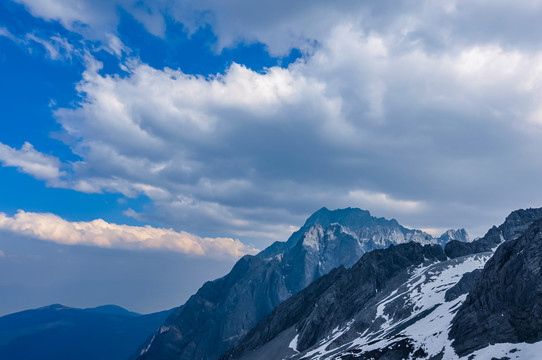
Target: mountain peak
54 307
329 239
455 234
353 218
111 310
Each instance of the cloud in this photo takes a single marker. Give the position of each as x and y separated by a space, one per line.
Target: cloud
32 162
435 25
2 254
55 46
98 19
380 201
361 121
6 33
49 227
415 109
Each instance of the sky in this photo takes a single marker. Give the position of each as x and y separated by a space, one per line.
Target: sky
174 136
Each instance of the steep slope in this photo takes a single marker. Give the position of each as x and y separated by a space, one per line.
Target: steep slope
505 305
408 313
62 333
315 314
220 314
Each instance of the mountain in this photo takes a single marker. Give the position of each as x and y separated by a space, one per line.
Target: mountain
222 312
408 301
62 333
514 225
505 305
458 235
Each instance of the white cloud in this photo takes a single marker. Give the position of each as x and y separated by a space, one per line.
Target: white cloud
412 100
49 227
6 33
380 201
227 152
433 24
32 162
56 47
2 254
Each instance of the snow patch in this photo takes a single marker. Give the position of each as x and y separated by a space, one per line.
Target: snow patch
293 343
424 291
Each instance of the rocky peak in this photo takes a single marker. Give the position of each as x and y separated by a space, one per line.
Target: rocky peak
351 218
459 235
513 226
222 311
518 221
336 298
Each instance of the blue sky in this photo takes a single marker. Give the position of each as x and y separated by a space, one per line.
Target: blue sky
208 129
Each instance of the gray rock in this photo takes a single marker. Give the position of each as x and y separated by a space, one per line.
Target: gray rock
463 286
459 235
337 297
375 298
222 312
505 305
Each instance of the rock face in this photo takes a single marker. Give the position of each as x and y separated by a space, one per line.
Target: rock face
337 297
401 302
459 235
463 286
505 305
222 312
514 225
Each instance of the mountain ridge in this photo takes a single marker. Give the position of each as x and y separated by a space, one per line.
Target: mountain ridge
63 333
224 310
409 317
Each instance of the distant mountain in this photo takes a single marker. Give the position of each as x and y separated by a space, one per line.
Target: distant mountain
408 302
458 235
111 310
58 332
514 225
222 312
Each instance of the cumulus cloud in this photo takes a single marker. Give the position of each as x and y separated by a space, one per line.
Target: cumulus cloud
360 116
49 227
436 25
392 107
32 162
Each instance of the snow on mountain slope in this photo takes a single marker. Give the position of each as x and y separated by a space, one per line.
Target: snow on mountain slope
425 328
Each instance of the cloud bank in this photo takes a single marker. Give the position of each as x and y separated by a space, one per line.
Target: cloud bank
100 233
429 112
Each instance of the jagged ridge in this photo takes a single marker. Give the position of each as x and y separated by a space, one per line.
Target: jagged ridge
411 311
218 316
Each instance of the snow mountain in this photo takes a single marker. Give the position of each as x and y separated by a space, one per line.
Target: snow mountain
413 301
223 311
